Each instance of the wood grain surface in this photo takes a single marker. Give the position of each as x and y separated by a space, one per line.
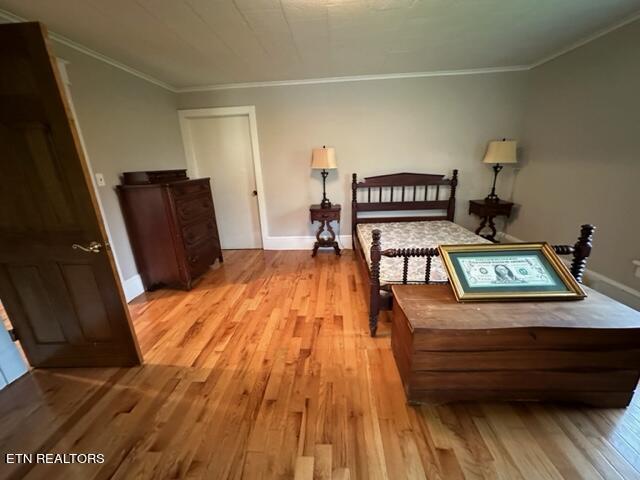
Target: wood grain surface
266 370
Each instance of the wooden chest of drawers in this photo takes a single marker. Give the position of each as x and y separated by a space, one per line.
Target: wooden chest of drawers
172 226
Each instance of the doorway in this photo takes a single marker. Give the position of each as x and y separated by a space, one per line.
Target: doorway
222 144
13 363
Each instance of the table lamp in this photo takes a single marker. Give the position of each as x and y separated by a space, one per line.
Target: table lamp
499 152
324 159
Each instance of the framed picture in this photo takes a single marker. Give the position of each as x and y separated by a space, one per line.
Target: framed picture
519 271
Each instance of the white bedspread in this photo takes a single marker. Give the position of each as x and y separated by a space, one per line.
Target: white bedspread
427 234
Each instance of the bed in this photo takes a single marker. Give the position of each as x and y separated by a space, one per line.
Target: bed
397 235
398 221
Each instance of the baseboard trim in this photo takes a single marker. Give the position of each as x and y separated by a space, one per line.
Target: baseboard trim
603 284
132 287
300 242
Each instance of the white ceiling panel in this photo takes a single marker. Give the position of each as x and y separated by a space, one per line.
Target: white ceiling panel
189 43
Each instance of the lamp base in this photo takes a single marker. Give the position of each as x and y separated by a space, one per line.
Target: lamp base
325 203
492 197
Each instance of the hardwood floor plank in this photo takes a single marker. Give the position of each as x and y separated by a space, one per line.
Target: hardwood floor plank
503 464
565 456
523 446
602 456
266 370
322 465
304 468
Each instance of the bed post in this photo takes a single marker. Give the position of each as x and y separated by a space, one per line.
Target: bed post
354 209
451 209
374 283
581 251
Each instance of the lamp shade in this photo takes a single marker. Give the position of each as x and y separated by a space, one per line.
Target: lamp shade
501 151
324 158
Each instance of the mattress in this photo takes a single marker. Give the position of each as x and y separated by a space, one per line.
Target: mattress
427 234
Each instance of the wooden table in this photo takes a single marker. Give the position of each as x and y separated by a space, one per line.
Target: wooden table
584 351
487 211
325 216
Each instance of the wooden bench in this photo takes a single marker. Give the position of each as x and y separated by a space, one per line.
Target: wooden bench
584 351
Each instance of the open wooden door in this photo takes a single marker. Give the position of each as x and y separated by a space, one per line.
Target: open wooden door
57 275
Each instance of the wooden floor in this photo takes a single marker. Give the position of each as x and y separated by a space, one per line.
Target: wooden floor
266 370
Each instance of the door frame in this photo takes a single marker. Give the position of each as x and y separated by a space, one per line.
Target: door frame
132 287
184 115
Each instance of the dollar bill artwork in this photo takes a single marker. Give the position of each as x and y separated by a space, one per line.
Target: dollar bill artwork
507 271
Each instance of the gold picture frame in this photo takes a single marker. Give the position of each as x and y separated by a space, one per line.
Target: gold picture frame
508 272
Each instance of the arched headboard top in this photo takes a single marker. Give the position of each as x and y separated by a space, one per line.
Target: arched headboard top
408 192
405 179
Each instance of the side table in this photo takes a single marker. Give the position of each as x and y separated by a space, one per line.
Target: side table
487 211
325 216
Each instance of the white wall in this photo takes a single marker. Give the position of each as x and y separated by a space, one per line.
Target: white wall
426 125
127 124
581 152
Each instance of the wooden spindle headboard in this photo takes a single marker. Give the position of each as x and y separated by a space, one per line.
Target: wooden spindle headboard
403 191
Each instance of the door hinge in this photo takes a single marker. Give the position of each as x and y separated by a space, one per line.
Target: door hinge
13 334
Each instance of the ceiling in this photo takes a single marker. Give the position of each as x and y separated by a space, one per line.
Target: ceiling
188 43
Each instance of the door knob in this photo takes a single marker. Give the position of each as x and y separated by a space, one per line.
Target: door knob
93 247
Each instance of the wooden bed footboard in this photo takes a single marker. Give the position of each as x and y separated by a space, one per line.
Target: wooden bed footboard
580 252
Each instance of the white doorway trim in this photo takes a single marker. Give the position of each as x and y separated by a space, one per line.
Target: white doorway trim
250 111
132 287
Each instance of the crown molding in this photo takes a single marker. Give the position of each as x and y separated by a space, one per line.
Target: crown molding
600 33
92 53
443 73
277 83
110 61
311 81
354 78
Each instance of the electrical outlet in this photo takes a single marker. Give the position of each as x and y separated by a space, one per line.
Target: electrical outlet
637 265
100 180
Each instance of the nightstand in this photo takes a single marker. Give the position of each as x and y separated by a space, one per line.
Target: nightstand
488 211
325 216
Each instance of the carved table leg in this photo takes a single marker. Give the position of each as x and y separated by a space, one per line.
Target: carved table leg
482 225
319 239
487 222
492 226
331 241
325 242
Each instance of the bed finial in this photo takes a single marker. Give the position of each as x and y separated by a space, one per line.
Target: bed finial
581 251
451 208
354 209
376 238
354 187
374 282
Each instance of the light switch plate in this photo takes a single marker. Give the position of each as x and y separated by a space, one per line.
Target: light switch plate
100 180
